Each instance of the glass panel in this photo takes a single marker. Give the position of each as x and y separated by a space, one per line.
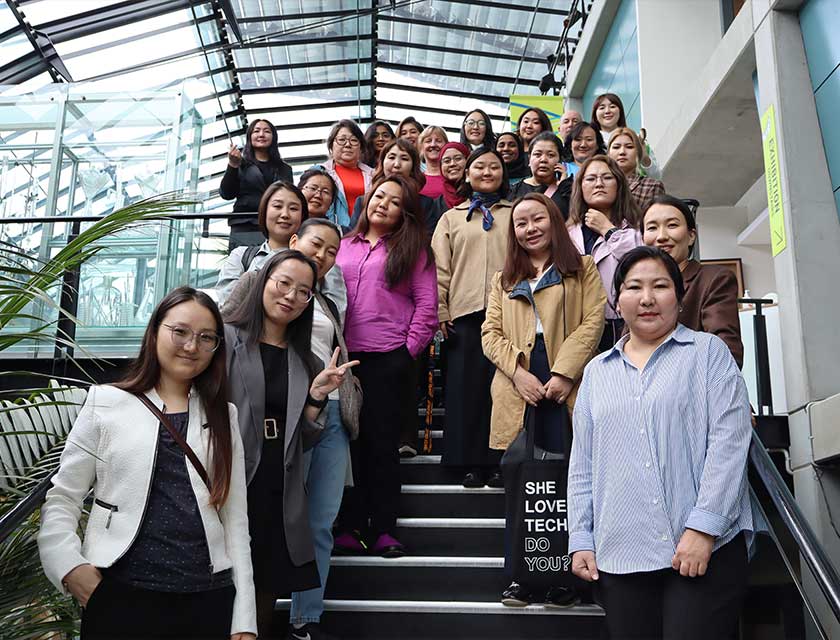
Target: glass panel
13 48
42 11
309 76
296 53
299 28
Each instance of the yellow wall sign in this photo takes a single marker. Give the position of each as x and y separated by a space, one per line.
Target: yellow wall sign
773 178
552 105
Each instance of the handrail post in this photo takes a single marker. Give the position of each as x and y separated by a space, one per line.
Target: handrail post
68 307
762 356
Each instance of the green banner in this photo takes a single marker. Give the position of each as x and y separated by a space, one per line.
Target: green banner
552 105
773 178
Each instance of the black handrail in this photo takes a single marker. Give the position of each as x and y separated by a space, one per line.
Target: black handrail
10 520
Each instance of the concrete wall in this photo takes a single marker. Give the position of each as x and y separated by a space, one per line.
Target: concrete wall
617 68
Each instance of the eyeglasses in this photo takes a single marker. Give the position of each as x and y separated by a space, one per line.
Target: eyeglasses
450 160
475 123
347 142
182 336
302 294
311 188
605 179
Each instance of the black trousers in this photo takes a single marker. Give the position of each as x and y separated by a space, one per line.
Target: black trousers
117 610
665 605
388 385
466 437
245 234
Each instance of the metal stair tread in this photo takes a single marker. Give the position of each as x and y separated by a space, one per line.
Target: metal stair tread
450 489
421 459
451 523
470 562
457 607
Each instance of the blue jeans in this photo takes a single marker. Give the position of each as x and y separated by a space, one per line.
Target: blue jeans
327 469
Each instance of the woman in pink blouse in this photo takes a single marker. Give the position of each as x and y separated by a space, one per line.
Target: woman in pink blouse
391 317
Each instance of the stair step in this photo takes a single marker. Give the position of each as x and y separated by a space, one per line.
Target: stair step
462 607
451 523
452 536
450 489
451 562
450 501
427 469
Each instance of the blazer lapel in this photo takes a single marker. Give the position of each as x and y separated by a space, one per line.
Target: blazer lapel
251 377
298 390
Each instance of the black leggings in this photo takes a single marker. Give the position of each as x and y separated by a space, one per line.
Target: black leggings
117 610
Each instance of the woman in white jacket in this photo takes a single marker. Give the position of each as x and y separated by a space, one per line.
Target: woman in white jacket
166 549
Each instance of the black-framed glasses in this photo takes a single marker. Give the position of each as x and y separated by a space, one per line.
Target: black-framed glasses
344 142
324 191
475 123
302 294
182 336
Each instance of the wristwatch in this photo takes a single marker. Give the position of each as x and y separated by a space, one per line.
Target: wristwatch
318 404
610 232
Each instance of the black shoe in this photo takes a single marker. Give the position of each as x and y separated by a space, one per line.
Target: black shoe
473 479
561 598
516 596
309 631
407 451
496 480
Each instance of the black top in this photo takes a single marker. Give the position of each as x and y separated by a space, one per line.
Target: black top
170 551
590 237
431 209
522 187
248 183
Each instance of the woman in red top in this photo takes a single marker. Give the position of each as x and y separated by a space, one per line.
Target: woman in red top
346 143
430 143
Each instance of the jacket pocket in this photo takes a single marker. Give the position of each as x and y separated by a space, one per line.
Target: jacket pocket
111 508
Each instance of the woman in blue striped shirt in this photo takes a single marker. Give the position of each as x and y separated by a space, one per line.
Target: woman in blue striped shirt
659 508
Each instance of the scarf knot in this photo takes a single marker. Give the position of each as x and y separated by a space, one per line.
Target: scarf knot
483 202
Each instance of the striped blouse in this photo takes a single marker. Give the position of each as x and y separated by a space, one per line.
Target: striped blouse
658 451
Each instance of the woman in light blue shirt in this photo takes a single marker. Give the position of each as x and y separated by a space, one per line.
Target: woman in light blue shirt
659 508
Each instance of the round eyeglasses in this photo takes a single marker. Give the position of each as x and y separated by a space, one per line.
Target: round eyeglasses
302 294
182 336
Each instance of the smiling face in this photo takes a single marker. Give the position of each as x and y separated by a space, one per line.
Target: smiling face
283 216
648 300
485 173
385 207
600 187
532 227
544 159
506 145
623 151
293 276
529 126
346 148
410 132
382 137
432 144
607 114
320 243
319 195
261 135
182 364
452 164
397 163
666 228
475 127
568 120
585 145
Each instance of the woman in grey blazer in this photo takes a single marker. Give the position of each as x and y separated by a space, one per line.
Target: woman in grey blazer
279 388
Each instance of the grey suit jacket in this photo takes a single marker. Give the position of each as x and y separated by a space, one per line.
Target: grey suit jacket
246 387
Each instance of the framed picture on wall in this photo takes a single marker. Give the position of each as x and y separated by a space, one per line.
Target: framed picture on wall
734 264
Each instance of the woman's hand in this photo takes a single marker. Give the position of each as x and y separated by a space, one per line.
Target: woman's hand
583 565
330 378
234 156
560 170
693 553
558 388
243 636
597 221
528 386
82 581
444 327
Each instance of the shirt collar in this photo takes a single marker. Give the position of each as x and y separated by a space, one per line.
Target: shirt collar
681 334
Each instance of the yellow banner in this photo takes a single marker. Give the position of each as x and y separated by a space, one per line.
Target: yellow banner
552 105
773 178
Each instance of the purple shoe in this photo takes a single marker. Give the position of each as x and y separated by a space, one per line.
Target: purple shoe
388 546
349 543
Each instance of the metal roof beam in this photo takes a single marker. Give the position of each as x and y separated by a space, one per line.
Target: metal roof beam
456 73
467 27
308 87
481 54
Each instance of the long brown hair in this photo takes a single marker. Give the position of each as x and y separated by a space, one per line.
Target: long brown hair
624 207
409 240
403 145
563 253
211 383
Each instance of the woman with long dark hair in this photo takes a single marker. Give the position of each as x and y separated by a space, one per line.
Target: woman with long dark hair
391 317
531 123
628 150
469 245
608 115
377 135
545 315
280 392
249 172
510 145
604 223
477 130
165 550
660 513
409 129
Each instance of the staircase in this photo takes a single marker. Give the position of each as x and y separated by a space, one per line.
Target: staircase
450 583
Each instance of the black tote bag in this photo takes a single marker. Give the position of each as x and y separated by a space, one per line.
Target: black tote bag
536 514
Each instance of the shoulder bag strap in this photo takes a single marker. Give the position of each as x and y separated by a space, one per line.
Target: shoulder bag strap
339 336
177 437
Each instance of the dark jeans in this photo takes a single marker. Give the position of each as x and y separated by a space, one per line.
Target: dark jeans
117 610
665 605
388 385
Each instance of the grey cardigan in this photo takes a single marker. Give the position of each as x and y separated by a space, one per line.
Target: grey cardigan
246 387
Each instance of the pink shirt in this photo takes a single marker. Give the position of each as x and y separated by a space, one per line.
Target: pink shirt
380 319
433 187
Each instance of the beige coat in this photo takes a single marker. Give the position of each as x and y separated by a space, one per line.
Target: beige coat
574 304
467 256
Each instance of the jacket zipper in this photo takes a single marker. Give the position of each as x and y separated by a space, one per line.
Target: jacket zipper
110 507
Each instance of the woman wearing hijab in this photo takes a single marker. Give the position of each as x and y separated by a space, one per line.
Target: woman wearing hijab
512 149
453 162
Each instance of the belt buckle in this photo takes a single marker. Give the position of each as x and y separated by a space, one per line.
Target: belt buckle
270 429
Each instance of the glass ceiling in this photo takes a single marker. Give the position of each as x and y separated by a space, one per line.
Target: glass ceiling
300 63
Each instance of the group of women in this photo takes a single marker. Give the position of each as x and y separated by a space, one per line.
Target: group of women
561 278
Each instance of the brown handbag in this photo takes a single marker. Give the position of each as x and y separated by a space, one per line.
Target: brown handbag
178 438
350 391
